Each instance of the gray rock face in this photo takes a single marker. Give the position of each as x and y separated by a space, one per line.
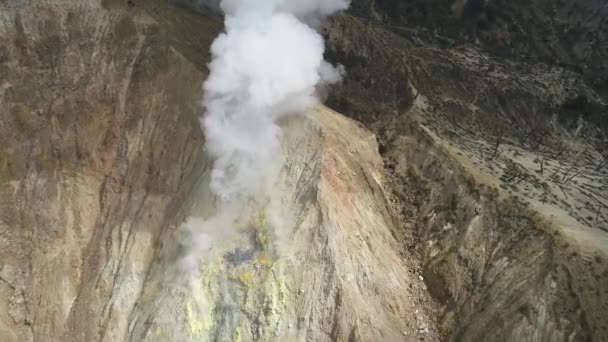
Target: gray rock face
101 162
100 147
481 138
503 268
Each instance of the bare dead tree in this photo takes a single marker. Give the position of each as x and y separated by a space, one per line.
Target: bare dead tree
565 177
514 173
499 135
601 164
541 163
561 148
539 129
573 176
604 161
600 205
538 138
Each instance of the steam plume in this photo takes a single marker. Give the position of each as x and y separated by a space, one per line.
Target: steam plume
268 64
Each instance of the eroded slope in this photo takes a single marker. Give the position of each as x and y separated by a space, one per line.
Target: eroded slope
498 163
102 161
329 270
99 146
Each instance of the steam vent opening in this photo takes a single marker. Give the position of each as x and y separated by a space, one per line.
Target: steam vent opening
303 170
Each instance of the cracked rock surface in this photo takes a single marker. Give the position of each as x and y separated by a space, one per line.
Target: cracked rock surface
101 162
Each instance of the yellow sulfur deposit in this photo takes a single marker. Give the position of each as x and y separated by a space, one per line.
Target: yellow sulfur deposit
246 278
263 260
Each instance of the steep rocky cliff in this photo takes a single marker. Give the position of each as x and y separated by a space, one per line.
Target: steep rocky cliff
493 129
471 205
100 149
102 161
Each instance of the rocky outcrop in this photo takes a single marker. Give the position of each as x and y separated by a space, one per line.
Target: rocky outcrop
502 193
100 147
503 269
330 270
102 162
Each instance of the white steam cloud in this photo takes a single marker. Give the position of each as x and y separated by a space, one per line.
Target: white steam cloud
268 64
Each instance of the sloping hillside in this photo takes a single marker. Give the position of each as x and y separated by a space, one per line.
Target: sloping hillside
102 161
498 161
469 203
